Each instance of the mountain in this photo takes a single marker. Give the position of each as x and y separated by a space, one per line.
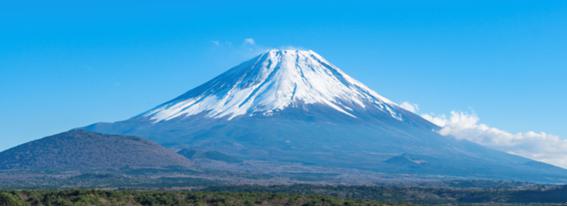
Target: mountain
78 150
275 81
295 108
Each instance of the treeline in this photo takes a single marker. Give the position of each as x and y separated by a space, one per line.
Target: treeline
296 195
166 198
412 195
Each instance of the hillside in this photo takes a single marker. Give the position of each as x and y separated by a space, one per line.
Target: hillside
86 151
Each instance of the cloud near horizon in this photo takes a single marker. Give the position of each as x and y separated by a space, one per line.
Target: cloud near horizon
538 146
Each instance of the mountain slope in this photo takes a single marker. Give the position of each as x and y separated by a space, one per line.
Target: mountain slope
271 82
293 107
85 151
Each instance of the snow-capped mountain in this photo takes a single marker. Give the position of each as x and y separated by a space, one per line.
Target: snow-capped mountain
272 82
294 108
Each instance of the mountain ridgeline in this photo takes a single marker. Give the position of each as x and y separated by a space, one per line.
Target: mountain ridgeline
294 108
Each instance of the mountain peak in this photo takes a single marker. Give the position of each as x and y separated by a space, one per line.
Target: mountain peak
289 111
289 50
273 81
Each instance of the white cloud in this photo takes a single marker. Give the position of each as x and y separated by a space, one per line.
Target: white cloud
244 50
534 145
439 120
409 106
249 41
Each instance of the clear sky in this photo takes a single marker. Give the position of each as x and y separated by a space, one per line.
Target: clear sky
65 64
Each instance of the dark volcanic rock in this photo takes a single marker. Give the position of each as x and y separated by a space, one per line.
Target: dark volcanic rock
81 150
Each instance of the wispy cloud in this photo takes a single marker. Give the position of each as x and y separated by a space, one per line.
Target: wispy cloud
410 106
249 41
244 48
221 44
538 146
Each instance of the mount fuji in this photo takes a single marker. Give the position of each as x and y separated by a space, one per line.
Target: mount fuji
289 111
272 82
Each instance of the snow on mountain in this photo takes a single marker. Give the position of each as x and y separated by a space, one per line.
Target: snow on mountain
273 81
294 108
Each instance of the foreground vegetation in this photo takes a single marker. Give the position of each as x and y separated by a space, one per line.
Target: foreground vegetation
130 197
473 193
506 194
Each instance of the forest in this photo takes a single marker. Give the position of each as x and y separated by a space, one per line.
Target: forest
294 195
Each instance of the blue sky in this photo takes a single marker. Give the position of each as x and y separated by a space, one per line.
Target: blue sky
65 64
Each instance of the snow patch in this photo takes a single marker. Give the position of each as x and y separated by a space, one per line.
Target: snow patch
278 79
